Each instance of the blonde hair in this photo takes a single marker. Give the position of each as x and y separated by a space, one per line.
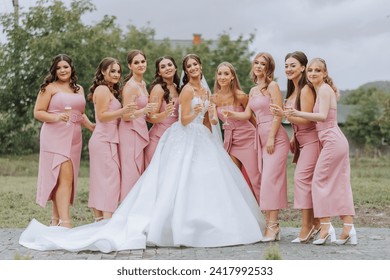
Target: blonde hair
327 79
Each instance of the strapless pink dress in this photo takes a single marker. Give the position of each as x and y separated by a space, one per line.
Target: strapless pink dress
104 179
273 167
133 138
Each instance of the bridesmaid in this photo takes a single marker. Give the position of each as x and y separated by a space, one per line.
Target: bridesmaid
304 142
332 192
271 140
133 130
60 106
238 135
104 187
164 88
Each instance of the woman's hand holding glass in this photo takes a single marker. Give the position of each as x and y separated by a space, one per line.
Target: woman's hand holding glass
170 109
68 112
153 103
226 113
172 100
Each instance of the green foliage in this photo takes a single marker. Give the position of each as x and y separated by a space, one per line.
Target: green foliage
365 126
225 49
51 27
272 253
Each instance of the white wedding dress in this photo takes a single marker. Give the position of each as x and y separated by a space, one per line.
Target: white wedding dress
192 194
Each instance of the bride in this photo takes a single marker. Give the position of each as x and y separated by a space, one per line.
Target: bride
192 194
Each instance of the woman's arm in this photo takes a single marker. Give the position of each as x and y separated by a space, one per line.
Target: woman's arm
185 98
324 94
307 103
158 93
102 99
42 104
276 95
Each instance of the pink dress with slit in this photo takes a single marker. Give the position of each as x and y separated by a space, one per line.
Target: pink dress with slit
239 142
273 167
332 192
104 185
157 130
133 138
60 142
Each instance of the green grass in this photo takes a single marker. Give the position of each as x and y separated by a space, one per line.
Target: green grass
370 179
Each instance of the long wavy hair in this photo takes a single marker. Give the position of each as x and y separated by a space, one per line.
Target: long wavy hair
269 69
327 79
185 78
234 84
52 76
159 80
98 80
130 57
302 59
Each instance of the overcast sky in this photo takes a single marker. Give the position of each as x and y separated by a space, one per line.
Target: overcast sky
353 36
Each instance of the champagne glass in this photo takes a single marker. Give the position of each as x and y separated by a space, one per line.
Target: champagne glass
154 102
225 113
68 111
172 100
133 100
285 103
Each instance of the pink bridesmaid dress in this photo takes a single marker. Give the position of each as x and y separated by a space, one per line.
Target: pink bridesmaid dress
60 142
104 188
133 138
158 130
239 142
273 167
332 192
309 150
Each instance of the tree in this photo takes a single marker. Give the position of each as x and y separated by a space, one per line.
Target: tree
363 125
44 31
234 51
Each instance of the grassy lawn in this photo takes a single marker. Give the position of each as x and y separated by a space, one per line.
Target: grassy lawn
370 182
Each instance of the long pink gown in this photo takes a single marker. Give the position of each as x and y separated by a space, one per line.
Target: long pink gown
133 138
158 130
273 167
332 192
239 142
104 177
60 142
309 146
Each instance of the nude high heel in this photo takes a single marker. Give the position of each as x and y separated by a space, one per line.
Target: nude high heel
331 233
276 233
62 223
352 236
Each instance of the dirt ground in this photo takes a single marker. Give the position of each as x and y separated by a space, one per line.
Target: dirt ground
372 217
365 217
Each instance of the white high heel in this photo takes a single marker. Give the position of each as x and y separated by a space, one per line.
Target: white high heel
331 233
352 236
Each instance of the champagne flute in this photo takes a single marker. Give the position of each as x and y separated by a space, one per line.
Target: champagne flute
225 113
154 102
68 111
172 100
133 100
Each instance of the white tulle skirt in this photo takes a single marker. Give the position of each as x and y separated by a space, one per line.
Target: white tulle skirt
192 194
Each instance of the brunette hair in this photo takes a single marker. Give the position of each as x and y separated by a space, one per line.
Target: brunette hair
302 59
159 80
130 57
185 79
52 76
98 80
